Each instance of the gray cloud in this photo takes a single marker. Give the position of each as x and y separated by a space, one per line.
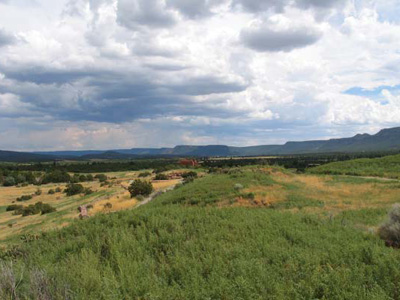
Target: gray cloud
110 96
194 8
319 4
6 38
264 39
134 14
257 6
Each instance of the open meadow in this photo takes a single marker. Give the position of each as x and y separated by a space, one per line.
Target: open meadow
107 197
253 232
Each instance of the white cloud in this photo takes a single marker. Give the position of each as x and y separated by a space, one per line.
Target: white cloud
88 73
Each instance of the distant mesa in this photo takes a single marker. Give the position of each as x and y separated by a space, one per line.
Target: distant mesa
385 140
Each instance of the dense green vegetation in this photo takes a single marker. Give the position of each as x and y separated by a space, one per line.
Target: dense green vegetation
140 188
32 209
94 166
388 166
184 245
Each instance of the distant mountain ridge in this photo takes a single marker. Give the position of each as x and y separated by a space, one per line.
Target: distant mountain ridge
384 140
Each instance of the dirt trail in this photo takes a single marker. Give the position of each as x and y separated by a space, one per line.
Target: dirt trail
154 195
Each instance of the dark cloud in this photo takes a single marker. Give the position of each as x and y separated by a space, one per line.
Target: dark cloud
116 97
194 8
6 38
41 75
134 14
264 39
320 4
257 6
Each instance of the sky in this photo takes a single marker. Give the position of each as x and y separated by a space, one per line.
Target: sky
112 74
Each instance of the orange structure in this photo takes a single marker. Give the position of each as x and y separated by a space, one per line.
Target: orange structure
189 162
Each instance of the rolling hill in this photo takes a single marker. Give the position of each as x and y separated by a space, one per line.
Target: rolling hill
387 140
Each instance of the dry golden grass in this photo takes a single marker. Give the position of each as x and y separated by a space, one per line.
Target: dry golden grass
334 196
67 207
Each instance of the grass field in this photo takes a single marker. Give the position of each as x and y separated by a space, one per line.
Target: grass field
67 207
388 167
253 233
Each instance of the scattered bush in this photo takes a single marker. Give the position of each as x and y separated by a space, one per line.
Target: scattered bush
13 207
74 189
58 190
38 192
145 174
189 174
390 231
35 209
101 177
88 191
51 192
161 176
56 176
139 187
47 208
24 198
108 205
9 181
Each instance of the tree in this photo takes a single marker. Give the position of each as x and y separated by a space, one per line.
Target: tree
74 189
9 181
101 177
139 187
56 176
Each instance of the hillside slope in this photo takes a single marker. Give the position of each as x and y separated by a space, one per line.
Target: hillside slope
184 245
388 166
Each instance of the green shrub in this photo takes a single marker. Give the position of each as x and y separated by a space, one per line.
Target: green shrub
74 189
101 177
390 231
58 190
161 176
190 174
34 209
139 187
9 181
56 176
13 207
51 192
145 174
38 192
24 198
47 208
88 191
108 205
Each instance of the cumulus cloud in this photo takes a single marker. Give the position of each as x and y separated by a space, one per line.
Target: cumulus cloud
138 13
280 33
264 39
125 73
194 8
6 38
